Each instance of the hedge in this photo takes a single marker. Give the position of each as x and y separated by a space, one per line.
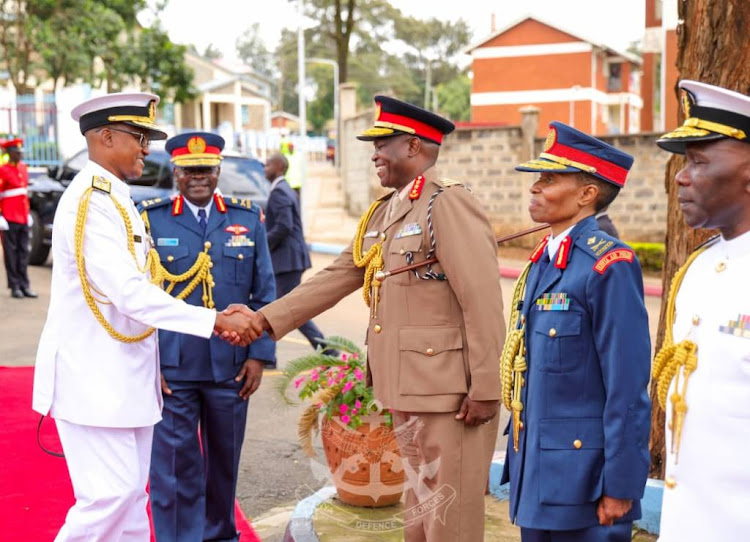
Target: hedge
651 255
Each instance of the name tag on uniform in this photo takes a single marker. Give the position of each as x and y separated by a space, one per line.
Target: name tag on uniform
167 241
412 228
553 302
371 233
239 241
739 327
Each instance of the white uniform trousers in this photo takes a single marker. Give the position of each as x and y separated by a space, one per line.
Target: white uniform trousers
109 469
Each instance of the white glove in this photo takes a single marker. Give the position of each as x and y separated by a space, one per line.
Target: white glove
3 224
30 221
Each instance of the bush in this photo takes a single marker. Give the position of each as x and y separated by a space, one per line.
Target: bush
651 255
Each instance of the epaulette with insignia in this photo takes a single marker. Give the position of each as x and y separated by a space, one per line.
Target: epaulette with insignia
450 182
152 203
597 244
102 184
241 203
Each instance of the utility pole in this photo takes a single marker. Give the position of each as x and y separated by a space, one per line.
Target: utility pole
336 114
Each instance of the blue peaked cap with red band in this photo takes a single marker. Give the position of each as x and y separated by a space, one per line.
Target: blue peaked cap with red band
567 150
195 149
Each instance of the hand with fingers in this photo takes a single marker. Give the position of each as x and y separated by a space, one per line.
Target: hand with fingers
475 413
610 509
239 325
252 373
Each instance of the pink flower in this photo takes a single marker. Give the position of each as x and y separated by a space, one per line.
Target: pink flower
358 404
298 382
355 356
314 375
346 367
330 382
354 411
358 374
343 409
344 357
318 405
344 418
349 385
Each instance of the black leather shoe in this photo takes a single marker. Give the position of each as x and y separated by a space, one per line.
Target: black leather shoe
18 294
29 293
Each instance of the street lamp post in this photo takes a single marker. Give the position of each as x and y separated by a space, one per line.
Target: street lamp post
336 119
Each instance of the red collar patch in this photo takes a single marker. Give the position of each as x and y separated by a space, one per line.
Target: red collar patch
539 250
416 190
236 229
561 262
177 206
220 205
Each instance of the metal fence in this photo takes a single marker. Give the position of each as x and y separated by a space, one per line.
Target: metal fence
34 120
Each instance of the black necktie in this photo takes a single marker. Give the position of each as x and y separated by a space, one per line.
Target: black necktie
202 219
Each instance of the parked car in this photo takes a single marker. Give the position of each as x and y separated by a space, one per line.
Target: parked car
241 176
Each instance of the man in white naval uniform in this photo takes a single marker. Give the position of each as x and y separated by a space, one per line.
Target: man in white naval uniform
98 376
707 478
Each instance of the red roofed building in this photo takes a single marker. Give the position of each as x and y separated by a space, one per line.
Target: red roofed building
568 77
659 113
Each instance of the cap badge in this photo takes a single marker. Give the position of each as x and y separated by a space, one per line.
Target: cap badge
152 110
551 138
196 145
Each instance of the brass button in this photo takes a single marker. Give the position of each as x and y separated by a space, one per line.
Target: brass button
207 244
240 257
520 426
552 332
429 352
721 266
210 265
696 320
670 482
577 444
523 319
170 258
402 251
382 236
377 328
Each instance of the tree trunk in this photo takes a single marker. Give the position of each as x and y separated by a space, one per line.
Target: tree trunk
710 48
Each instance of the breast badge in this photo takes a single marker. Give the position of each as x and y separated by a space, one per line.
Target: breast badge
553 302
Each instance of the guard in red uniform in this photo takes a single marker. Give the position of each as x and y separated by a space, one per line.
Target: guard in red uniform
15 220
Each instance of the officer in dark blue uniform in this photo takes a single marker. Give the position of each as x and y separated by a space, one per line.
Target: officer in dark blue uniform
206 383
576 367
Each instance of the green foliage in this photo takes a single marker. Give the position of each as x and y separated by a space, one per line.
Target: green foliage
61 39
651 255
454 98
212 52
253 52
338 384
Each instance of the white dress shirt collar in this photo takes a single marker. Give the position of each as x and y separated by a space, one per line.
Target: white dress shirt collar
194 208
735 248
554 242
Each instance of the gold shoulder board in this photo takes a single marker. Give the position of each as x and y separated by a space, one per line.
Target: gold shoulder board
101 184
450 182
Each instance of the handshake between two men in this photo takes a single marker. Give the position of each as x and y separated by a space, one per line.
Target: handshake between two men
239 325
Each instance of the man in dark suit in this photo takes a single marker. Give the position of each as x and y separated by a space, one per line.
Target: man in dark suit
286 241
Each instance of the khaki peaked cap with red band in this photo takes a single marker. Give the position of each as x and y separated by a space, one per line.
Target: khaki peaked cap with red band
567 150
195 149
394 117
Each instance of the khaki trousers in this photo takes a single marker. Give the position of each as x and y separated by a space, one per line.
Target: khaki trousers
447 465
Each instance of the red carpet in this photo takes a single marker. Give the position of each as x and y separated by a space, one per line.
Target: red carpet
35 490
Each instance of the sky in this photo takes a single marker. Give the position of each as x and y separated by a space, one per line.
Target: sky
612 22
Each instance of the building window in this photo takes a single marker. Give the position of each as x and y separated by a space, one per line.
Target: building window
614 78
658 6
245 115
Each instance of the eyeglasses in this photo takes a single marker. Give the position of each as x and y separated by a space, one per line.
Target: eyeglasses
143 140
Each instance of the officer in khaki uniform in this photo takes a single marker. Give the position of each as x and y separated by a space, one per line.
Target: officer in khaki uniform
435 335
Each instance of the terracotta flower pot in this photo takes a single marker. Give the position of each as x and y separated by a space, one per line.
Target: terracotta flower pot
365 463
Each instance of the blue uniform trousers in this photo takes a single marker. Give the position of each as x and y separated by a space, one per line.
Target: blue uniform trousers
285 283
619 532
197 445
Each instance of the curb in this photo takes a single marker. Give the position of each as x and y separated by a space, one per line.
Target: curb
300 528
505 272
650 503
